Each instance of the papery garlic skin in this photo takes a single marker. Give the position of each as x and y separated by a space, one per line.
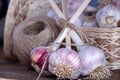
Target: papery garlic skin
68 59
92 57
108 17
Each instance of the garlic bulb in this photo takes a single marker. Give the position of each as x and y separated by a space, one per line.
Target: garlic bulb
94 63
38 56
92 57
108 17
65 63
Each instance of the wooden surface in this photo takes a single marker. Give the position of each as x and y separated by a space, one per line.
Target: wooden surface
16 71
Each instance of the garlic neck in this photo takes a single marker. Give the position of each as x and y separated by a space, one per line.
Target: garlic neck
60 38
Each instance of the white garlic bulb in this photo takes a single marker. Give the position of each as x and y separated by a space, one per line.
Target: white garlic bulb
65 63
108 16
92 58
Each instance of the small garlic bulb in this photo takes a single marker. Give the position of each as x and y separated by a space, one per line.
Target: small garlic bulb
108 17
65 63
38 57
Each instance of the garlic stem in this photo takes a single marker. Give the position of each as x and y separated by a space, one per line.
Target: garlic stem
68 41
76 39
56 9
64 8
64 32
60 38
79 11
72 44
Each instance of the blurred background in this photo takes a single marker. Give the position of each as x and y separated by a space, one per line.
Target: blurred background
3 10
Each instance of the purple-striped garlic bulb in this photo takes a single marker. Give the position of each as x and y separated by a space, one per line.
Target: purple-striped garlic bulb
65 63
38 57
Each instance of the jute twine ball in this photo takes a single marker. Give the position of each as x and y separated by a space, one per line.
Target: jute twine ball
18 11
31 33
